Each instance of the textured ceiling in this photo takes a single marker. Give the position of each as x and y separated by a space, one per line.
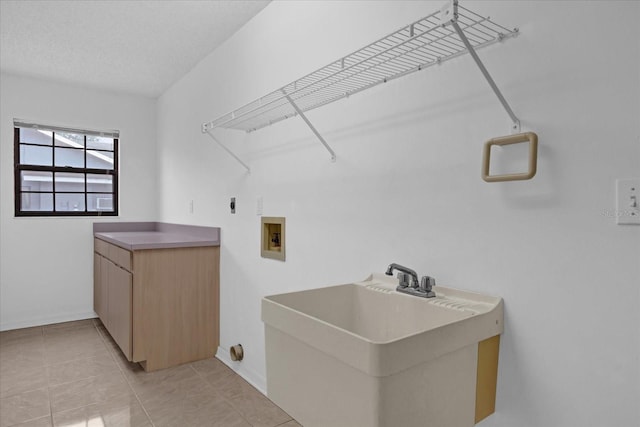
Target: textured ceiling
139 47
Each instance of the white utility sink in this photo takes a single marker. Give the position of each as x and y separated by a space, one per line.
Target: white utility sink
362 354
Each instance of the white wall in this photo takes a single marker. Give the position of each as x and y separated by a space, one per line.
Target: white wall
46 264
406 187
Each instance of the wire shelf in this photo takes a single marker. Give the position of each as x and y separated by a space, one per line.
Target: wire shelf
419 45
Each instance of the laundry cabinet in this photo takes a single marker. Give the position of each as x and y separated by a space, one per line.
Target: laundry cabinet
113 292
157 292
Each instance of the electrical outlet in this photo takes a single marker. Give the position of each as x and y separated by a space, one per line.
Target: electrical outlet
232 205
628 201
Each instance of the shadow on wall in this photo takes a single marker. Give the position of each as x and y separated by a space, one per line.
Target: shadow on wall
233 287
515 393
376 123
522 195
542 191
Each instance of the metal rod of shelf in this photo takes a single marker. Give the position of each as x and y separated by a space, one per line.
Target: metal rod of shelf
313 129
516 122
231 153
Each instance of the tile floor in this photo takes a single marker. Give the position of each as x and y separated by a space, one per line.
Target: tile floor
73 374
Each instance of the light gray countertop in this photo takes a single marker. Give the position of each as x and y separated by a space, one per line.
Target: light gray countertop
156 235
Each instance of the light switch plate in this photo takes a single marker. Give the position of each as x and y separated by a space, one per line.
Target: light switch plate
628 201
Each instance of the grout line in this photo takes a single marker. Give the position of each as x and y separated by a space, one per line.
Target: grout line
198 374
113 357
80 379
47 363
111 352
227 401
49 385
46 367
50 404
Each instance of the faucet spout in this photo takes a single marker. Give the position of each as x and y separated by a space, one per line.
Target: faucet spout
416 288
414 276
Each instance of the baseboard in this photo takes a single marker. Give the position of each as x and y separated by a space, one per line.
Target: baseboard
258 381
47 320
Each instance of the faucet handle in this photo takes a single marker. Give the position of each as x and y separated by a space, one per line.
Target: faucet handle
403 280
426 284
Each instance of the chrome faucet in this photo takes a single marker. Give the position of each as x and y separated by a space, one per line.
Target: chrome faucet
420 289
405 270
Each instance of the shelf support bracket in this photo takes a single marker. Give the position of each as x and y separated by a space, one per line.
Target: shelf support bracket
515 127
313 129
231 153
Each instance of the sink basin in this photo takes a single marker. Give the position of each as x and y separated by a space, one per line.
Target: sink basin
377 357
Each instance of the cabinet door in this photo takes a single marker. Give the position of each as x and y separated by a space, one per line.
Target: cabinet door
97 287
100 286
119 307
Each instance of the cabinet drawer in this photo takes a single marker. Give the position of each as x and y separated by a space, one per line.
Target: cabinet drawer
101 247
119 256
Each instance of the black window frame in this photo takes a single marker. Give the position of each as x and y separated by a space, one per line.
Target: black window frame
20 167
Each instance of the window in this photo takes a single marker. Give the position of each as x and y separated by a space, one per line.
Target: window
65 172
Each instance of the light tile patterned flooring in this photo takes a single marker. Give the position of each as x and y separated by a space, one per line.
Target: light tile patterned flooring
73 374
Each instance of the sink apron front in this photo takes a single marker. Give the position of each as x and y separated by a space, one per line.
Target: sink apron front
329 393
